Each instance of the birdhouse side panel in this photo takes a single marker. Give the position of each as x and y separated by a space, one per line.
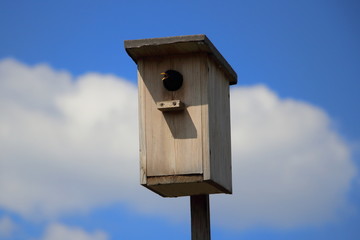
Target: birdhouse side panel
219 127
142 132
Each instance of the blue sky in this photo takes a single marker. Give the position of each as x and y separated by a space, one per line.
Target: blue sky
67 84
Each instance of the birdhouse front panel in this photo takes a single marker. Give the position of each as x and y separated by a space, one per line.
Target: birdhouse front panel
173 139
184 111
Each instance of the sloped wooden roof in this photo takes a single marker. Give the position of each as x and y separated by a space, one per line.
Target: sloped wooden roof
141 48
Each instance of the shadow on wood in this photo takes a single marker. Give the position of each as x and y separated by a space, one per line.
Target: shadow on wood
180 124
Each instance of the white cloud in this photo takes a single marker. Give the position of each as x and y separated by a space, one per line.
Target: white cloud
7 227
290 167
77 153
58 231
70 145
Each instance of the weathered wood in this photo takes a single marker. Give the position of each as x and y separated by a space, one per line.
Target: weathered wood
142 48
183 189
200 217
187 152
219 127
169 106
183 185
142 132
173 139
175 179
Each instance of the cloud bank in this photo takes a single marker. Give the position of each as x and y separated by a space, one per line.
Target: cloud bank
290 166
7 227
69 145
58 231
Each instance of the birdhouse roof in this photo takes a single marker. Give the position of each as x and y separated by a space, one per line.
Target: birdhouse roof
141 48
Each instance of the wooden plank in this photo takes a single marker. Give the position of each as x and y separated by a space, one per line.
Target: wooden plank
200 217
188 139
185 189
175 179
219 127
172 105
173 139
142 117
158 136
205 119
177 45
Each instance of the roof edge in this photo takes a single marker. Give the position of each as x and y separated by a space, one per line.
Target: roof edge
141 48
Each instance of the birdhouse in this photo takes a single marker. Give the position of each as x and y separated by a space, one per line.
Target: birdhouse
184 111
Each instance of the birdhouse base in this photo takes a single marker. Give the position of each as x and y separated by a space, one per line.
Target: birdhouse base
183 185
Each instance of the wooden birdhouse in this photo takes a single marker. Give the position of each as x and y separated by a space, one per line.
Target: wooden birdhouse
184 111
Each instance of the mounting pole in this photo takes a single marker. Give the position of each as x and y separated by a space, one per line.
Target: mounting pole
200 217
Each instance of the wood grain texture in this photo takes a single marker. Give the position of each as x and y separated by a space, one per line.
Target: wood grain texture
193 141
173 105
205 120
173 139
175 179
142 117
219 127
141 48
185 152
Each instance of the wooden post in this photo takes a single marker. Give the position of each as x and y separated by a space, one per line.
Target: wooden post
200 217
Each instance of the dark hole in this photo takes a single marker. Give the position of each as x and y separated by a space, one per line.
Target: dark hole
172 80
